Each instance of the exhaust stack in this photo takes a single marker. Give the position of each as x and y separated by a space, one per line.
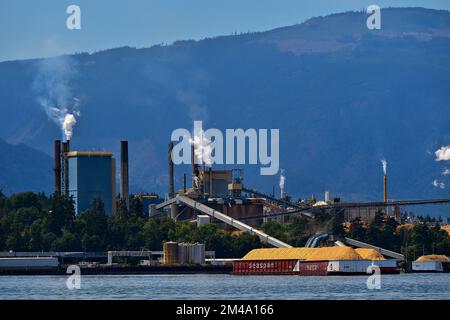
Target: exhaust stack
57 166
124 180
385 189
171 178
194 165
65 168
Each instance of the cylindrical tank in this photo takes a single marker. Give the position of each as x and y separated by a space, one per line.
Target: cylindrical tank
170 253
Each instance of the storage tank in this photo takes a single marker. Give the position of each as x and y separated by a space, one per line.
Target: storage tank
199 257
170 253
191 253
183 253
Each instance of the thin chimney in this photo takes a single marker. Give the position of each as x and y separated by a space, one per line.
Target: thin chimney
124 180
171 177
57 166
65 168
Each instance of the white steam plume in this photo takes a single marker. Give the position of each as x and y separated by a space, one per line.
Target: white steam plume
282 182
438 184
52 87
443 154
68 123
446 172
384 164
202 148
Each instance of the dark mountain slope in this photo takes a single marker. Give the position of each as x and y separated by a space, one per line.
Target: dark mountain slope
24 169
343 97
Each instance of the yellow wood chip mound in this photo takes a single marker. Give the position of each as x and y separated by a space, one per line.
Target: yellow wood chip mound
446 228
434 257
308 254
369 254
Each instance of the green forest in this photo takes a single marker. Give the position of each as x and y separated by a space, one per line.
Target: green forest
36 222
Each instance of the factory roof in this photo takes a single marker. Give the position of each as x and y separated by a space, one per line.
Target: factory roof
89 154
369 254
308 254
434 257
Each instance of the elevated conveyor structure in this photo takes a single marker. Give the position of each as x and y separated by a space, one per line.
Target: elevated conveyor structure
180 199
384 252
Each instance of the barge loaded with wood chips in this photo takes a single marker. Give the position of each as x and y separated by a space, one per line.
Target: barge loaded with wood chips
313 262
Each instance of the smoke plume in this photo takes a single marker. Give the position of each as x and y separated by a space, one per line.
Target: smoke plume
52 87
384 164
443 154
202 148
446 172
68 123
438 184
282 179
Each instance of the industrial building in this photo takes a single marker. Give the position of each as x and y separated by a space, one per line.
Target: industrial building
91 176
87 175
219 196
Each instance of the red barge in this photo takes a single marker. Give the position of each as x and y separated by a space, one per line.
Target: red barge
314 262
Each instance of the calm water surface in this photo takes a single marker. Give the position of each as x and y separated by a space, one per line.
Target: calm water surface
403 286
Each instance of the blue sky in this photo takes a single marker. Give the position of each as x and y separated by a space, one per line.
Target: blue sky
30 29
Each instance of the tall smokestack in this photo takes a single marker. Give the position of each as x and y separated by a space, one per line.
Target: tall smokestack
210 181
65 168
385 189
184 182
194 165
57 166
171 178
124 183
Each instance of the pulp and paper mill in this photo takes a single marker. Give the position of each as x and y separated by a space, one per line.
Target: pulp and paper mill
219 196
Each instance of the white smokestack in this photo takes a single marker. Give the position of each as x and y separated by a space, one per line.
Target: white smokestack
384 164
282 183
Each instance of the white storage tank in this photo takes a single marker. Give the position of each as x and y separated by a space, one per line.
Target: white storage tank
191 253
